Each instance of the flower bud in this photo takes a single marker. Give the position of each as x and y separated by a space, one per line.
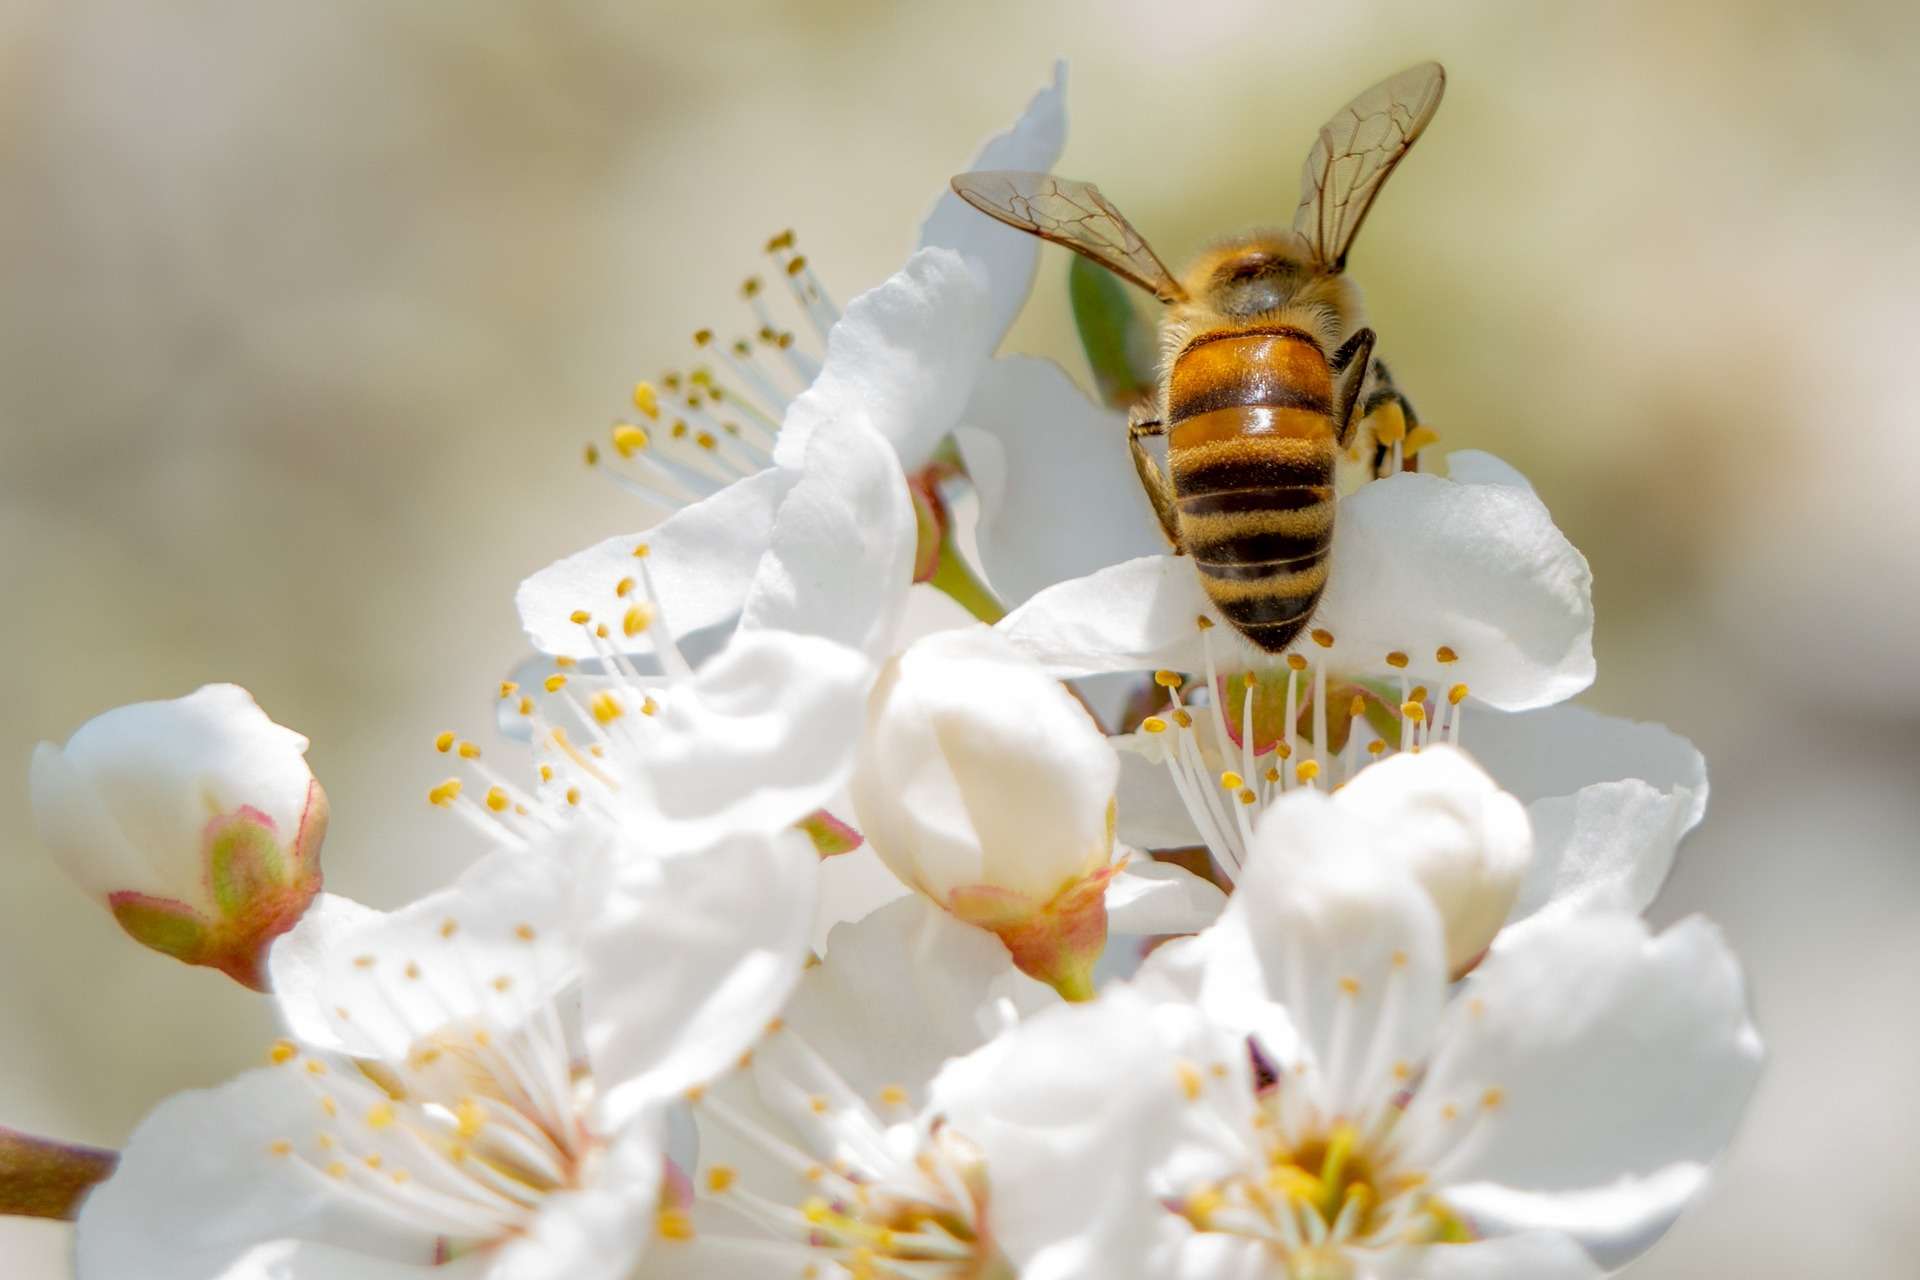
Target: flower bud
196 821
982 783
1466 841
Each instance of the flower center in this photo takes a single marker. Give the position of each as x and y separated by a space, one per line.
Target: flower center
888 1196
1235 744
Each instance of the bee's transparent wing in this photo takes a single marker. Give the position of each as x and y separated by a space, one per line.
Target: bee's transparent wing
1071 213
1355 152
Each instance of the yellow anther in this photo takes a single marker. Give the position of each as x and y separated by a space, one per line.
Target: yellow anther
1247 796
1457 694
556 682
600 630
374 1160
706 440
640 550
1272 774
673 1224
526 706
565 663
1377 746
750 287
401 1176
1297 661
445 794
336 1170
1350 986
818 1104
798 265
380 1115
623 588
646 399
573 795
412 971
893 1096
592 453
639 618
1413 711
1403 1071
1493 1098
649 707
1284 751
363 962
628 439
1153 724
496 799
679 429
1322 637
1400 960
1231 781
1306 770
1192 1083
282 1051
1418 439
508 688
449 927
444 743
546 773
579 617
784 240
1182 718
470 1116
482 1038
281 1147
1389 423
720 1177
1397 659
469 752
784 341
1167 679
606 707
702 337
1358 707
1203 622
502 984
1445 654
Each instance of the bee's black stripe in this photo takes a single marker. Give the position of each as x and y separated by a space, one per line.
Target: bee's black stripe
1237 393
1261 549
1251 331
1270 470
1255 611
1228 502
1273 637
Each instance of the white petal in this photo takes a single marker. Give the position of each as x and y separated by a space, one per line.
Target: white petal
301 1260
689 960
1616 1056
841 557
374 983
1476 466
702 558
1149 897
1536 1255
760 737
1466 841
1136 616
899 993
852 887
600 1230
1610 801
1009 256
1324 923
905 354
1420 562
1037 527
1152 814
1074 1110
198 1187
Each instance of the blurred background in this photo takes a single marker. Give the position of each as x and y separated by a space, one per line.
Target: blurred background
308 308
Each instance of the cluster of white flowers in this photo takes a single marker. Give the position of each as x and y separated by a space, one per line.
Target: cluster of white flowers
824 932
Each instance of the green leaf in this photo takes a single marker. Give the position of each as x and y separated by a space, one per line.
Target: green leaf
1118 342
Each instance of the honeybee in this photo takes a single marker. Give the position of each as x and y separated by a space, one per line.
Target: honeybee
1265 368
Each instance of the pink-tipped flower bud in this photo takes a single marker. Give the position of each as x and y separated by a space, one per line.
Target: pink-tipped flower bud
982 783
196 821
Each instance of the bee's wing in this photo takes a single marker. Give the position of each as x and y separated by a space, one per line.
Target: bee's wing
1071 213
1355 152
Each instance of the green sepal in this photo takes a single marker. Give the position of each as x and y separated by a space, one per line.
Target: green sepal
169 927
40 1178
245 864
1119 343
830 836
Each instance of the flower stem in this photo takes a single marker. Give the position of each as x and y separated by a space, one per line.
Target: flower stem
955 577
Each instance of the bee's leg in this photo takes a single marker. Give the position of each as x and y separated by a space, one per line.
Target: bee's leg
1153 478
1350 364
1383 403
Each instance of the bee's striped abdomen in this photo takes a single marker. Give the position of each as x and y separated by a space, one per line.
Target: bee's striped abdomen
1250 447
